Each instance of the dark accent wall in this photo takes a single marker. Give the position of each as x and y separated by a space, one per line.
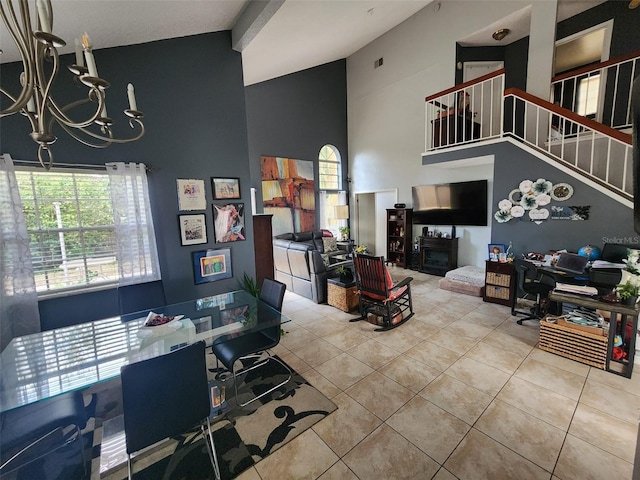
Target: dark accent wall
295 115
609 221
191 90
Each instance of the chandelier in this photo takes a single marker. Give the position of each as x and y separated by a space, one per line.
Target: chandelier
38 49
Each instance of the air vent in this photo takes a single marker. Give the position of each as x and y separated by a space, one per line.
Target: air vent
378 63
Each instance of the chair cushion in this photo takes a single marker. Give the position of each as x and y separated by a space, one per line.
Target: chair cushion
393 293
228 351
329 244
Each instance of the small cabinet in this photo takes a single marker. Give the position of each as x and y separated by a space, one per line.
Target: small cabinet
399 228
499 283
438 255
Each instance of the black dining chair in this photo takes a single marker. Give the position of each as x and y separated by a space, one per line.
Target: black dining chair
532 281
252 348
30 436
140 296
166 396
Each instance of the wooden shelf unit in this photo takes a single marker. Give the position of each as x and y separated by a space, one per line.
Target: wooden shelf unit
499 283
399 229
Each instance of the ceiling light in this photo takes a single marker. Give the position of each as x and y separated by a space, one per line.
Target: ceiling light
634 4
501 33
40 65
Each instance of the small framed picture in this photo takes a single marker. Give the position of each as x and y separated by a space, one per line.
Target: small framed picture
225 188
191 194
228 222
211 265
495 249
193 229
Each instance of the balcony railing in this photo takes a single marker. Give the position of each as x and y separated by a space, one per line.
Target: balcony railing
465 113
601 91
598 152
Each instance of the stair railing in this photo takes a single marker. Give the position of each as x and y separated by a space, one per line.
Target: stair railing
601 91
601 153
465 113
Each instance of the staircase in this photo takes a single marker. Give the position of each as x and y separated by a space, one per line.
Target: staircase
596 153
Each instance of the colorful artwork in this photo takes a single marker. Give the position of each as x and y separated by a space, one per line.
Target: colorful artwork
228 221
191 195
288 193
212 265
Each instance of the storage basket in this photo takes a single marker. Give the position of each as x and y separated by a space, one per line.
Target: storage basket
340 297
498 279
583 347
497 292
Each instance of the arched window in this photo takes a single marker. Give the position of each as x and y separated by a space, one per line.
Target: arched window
330 193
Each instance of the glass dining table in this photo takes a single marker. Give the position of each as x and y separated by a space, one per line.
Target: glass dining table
42 365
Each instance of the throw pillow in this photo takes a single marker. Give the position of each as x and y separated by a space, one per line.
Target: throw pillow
329 244
325 259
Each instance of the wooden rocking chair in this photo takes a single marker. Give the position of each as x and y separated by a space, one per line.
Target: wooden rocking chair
381 301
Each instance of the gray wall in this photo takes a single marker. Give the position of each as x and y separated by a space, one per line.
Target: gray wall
191 90
295 115
609 221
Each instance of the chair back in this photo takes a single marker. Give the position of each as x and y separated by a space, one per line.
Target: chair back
525 270
164 396
614 252
141 296
371 277
272 293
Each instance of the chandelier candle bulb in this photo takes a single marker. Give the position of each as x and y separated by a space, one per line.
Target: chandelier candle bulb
43 15
31 106
132 97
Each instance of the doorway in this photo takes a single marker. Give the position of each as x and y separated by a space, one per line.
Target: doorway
371 219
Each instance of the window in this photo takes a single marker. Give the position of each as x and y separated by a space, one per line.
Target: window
70 222
587 101
330 175
329 167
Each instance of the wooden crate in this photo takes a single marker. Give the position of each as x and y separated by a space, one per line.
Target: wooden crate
584 347
340 297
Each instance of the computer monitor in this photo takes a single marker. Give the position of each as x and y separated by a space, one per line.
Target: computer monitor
572 263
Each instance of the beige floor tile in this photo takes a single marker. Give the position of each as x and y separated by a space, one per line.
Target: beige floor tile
478 457
433 355
439 317
428 427
552 378
496 357
468 329
295 362
339 471
385 454
605 432
380 395
581 461
373 353
517 345
525 434
457 343
327 388
421 329
317 352
530 331
618 403
297 337
325 327
444 474
345 338
486 320
347 426
457 398
250 474
400 339
629 385
304 457
560 362
409 373
494 309
544 404
344 370
478 375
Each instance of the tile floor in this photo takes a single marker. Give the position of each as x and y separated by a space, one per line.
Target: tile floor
459 391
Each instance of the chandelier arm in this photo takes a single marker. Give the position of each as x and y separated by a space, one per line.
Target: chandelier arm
13 26
46 165
30 115
44 98
109 140
59 115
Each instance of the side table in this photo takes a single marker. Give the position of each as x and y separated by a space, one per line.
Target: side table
342 295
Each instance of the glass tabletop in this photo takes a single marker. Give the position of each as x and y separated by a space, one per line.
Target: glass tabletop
46 364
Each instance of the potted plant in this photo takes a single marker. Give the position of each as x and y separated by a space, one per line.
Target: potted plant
345 274
344 233
628 292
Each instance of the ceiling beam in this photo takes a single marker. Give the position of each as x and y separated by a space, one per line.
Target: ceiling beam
252 19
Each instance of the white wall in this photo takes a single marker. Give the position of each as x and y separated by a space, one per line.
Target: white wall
386 112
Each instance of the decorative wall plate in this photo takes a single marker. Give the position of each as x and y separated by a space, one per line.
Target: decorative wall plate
561 192
515 195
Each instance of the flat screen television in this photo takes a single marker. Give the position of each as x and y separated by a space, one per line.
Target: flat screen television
460 204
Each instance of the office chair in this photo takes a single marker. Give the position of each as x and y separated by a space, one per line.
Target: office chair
140 296
253 346
166 396
605 279
532 281
29 434
378 294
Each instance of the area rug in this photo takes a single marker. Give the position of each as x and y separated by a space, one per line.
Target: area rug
242 436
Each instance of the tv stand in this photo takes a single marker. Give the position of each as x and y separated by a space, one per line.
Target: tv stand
438 255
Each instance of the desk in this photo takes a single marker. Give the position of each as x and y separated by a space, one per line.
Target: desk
619 367
46 364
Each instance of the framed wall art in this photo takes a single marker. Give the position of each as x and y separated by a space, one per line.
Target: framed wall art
228 222
193 229
225 188
211 265
191 195
495 250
